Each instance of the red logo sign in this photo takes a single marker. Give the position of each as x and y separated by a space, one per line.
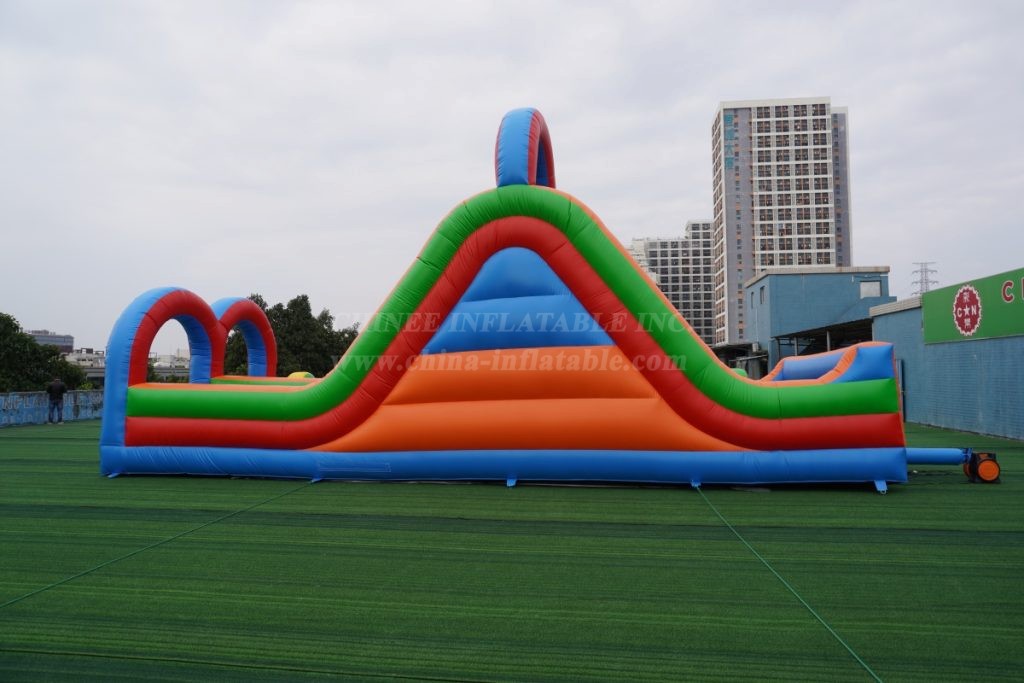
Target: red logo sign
967 310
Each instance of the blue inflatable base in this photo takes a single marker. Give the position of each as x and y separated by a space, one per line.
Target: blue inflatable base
651 467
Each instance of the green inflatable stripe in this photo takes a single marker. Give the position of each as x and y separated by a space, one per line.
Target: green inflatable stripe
260 381
711 377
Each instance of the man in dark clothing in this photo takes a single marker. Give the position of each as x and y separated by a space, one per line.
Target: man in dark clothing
56 389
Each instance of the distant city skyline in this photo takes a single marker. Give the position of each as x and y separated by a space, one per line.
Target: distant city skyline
236 148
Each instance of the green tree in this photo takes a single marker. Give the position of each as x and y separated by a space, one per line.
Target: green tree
27 366
304 342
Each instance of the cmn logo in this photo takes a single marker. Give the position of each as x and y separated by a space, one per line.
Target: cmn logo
967 310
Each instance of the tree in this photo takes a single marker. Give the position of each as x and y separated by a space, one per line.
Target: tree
304 342
27 366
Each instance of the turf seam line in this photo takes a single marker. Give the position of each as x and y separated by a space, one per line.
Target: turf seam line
789 587
159 543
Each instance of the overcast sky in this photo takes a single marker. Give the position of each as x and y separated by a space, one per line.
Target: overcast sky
287 148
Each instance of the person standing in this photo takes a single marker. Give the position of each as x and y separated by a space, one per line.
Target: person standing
56 390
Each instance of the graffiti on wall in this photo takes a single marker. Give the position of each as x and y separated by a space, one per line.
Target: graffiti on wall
31 407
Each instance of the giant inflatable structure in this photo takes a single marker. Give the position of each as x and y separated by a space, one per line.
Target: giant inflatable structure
522 344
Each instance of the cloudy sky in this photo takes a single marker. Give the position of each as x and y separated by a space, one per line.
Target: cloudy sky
311 147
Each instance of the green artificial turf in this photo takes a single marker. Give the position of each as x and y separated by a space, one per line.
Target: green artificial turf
283 580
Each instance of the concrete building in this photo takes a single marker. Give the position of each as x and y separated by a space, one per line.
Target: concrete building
93 363
638 250
781 197
800 311
170 361
959 364
87 358
64 342
682 269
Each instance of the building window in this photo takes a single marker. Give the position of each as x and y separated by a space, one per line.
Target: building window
870 288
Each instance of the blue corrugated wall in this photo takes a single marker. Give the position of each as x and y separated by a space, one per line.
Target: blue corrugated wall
972 386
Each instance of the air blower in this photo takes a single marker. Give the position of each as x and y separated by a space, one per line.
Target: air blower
982 468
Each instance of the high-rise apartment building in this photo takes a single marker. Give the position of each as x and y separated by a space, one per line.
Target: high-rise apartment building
682 268
781 196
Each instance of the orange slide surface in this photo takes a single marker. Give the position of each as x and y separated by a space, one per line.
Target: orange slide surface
458 400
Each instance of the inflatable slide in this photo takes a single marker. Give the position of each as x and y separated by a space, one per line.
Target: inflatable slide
522 344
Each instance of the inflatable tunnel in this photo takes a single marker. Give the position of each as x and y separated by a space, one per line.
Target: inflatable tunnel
522 344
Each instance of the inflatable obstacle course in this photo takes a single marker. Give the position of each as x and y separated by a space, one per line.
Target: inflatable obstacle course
522 344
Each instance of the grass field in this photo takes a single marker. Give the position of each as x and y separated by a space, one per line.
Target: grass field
169 578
